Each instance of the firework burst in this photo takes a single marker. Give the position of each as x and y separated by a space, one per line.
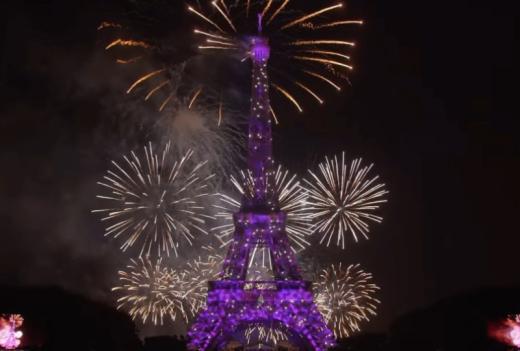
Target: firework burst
342 199
155 201
292 198
344 296
151 292
308 49
196 276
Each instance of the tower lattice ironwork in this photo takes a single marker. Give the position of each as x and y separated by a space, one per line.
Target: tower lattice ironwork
236 301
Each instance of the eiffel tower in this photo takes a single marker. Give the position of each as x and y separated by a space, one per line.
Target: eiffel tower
285 300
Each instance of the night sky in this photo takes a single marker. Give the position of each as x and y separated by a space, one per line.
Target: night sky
431 104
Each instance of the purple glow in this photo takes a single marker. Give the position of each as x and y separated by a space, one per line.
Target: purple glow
260 50
231 306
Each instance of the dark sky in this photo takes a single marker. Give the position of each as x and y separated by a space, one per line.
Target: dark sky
431 104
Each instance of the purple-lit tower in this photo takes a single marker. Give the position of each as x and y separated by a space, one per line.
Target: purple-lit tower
285 299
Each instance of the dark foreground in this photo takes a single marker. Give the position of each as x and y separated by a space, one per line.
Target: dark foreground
58 320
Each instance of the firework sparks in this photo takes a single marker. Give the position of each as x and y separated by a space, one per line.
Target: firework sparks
123 42
130 60
194 98
342 199
345 298
191 9
209 127
288 57
278 10
224 14
325 52
192 114
309 90
326 80
166 101
151 292
265 334
156 89
155 201
196 276
288 96
292 198
322 60
336 23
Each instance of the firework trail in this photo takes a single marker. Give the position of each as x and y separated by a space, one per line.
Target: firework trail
189 112
155 201
292 199
342 199
344 296
151 292
165 72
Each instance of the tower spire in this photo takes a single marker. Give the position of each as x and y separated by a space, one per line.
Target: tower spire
260 158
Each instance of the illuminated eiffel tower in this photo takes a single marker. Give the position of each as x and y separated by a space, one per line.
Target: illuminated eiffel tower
285 300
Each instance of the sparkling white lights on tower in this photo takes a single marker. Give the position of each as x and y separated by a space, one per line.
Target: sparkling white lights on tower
310 49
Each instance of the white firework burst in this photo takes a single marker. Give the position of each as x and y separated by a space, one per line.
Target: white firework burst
151 292
342 199
196 276
155 201
344 296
